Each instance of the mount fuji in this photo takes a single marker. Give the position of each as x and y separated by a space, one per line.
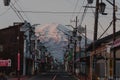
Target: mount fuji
55 39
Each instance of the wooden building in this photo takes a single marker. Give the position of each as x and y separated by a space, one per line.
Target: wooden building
11 42
102 57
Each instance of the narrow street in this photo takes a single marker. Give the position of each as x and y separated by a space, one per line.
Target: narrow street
60 40
53 75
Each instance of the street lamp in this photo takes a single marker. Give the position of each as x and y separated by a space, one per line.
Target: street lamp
102 7
6 2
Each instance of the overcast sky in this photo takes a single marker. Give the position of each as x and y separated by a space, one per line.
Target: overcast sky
54 11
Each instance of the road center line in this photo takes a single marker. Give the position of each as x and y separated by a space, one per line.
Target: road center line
54 77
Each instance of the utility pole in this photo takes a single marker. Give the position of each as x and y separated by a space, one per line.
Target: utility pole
18 54
94 39
114 49
75 44
85 52
96 20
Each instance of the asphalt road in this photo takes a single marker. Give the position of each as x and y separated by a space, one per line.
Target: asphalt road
53 75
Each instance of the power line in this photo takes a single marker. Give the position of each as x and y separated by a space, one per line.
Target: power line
16 11
99 23
21 9
106 29
75 7
83 16
81 7
7 10
53 12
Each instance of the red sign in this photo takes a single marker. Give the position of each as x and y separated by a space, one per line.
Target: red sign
5 63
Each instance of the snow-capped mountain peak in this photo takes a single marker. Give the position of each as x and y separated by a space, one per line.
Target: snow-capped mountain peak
55 38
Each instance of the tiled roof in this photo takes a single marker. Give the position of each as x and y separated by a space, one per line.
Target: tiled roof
102 40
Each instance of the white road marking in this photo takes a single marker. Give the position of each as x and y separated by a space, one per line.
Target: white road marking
54 77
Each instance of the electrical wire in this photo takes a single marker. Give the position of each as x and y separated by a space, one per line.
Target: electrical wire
106 29
81 7
7 10
83 15
78 13
102 27
17 12
74 9
99 22
21 10
52 12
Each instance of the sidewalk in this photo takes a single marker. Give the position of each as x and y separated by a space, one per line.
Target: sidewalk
21 78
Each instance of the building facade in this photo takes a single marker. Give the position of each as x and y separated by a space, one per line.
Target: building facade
102 57
13 41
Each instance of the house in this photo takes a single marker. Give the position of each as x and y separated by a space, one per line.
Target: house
103 56
14 40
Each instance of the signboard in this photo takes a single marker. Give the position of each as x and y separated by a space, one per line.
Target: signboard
5 63
116 43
